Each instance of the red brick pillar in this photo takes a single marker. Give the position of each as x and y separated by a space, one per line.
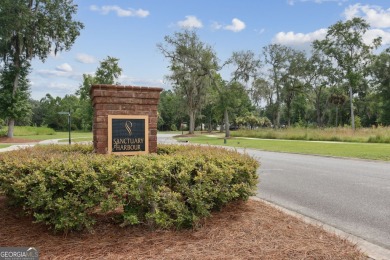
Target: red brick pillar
123 100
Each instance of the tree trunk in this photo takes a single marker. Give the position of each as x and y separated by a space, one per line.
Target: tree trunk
337 116
277 123
11 121
227 125
352 115
192 122
289 114
11 124
319 117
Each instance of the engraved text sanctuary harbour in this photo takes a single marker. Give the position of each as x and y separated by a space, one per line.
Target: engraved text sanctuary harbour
128 144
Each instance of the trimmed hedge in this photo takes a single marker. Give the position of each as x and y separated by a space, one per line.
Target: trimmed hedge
66 186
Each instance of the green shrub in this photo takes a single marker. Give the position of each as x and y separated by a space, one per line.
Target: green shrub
65 186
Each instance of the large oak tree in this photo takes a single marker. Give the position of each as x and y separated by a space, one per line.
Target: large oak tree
192 66
33 29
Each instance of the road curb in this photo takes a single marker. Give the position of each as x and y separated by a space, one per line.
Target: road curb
371 250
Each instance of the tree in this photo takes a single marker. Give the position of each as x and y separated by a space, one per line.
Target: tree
14 104
170 115
233 94
337 100
232 99
192 64
319 77
38 113
107 73
246 66
344 44
380 71
51 106
261 90
252 121
277 57
293 80
34 28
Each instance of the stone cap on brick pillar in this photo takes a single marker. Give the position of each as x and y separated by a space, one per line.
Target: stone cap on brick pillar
97 89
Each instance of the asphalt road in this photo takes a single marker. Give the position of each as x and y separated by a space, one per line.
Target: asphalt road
351 195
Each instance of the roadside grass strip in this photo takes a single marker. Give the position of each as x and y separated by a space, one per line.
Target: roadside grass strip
370 151
59 135
78 139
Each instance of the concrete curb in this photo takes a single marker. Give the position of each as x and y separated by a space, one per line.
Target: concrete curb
371 250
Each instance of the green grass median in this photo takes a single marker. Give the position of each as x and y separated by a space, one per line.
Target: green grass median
59 135
369 151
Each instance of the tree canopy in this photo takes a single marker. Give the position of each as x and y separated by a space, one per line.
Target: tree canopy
192 64
340 78
108 72
33 29
344 43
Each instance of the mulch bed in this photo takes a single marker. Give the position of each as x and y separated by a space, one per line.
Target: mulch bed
7 140
242 230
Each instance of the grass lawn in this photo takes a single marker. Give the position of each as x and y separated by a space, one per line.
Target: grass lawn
59 135
77 139
4 145
353 150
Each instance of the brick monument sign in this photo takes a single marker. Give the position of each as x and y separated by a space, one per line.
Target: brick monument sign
125 119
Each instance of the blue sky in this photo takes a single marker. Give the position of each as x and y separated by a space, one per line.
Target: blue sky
130 31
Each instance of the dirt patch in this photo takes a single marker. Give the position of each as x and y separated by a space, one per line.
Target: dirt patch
242 230
7 140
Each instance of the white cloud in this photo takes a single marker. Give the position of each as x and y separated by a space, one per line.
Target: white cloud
131 81
236 26
120 11
60 74
291 38
190 22
370 35
339 2
85 58
65 67
216 26
374 15
377 17
260 31
62 86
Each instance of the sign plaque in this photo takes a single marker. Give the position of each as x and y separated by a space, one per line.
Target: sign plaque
128 134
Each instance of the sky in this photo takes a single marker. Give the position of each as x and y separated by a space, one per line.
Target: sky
131 29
